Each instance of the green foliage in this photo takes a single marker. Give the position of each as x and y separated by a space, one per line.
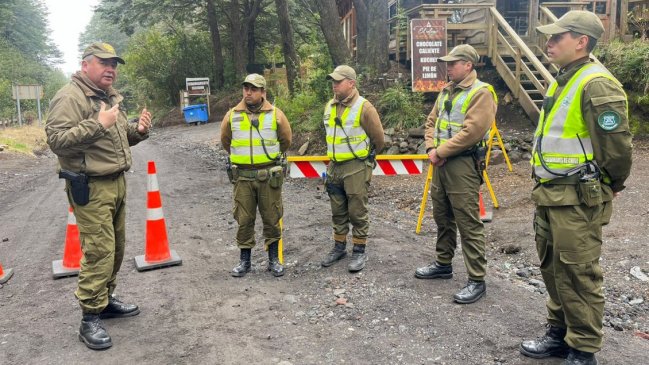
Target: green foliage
18 68
157 63
629 62
401 108
23 25
305 109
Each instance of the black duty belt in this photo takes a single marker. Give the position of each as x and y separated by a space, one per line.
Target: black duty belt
568 180
113 176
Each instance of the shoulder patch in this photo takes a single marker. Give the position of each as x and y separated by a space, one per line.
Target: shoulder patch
608 120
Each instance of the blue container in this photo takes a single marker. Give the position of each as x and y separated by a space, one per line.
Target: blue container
195 113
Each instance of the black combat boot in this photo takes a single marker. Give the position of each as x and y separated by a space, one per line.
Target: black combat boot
336 253
244 263
551 344
577 357
434 271
473 291
118 309
273 260
359 258
93 334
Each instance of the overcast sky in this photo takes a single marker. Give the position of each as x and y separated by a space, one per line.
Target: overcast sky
67 20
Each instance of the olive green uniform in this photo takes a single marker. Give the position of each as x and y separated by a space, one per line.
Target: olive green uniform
254 187
568 232
348 181
83 145
456 184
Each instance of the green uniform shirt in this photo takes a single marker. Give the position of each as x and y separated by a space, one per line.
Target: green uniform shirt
611 142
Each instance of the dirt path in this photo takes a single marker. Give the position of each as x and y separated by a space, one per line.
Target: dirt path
197 314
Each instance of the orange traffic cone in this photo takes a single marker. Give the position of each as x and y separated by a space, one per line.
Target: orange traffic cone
156 250
5 275
71 262
484 215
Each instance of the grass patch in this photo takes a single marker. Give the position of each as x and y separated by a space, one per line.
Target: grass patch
26 139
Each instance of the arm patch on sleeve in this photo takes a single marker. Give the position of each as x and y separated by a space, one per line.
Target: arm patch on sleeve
609 120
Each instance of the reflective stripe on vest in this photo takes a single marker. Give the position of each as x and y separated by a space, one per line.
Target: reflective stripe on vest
349 140
563 137
449 124
247 147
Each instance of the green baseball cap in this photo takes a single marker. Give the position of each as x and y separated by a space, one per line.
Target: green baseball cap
102 50
578 21
342 72
255 80
463 52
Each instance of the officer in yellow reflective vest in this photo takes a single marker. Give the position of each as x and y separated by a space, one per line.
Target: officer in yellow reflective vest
581 159
354 135
255 134
455 133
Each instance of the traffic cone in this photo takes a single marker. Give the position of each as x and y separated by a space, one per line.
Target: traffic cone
156 250
484 215
5 275
71 262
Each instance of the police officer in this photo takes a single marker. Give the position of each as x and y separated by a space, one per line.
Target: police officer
581 158
256 134
456 129
354 135
87 129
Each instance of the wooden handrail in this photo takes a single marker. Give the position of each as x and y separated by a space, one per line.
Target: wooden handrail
525 50
425 7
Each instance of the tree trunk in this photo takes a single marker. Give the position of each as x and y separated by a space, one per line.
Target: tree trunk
251 42
333 32
252 8
361 32
217 52
288 46
238 45
378 37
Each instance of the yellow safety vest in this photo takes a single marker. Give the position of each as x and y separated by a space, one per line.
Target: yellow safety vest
450 122
248 142
562 137
348 140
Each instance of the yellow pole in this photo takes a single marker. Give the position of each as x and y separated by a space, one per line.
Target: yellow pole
502 147
494 132
429 178
280 244
491 190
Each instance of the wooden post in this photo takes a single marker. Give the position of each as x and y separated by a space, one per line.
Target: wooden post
533 21
612 20
624 21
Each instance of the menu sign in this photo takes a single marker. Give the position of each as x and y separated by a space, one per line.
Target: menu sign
428 43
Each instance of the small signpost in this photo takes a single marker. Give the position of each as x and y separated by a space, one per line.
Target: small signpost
428 37
27 92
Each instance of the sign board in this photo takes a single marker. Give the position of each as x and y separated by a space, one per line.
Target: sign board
24 92
428 43
197 85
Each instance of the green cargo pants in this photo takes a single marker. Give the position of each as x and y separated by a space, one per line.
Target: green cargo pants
454 191
347 185
250 194
569 244
102 231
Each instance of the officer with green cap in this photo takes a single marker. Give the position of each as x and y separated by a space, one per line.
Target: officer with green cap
581 159
87 129
256 134
456 130
354 136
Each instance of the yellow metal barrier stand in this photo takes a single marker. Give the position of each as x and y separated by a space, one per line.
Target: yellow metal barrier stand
422 208
491 190
496 133
280 244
